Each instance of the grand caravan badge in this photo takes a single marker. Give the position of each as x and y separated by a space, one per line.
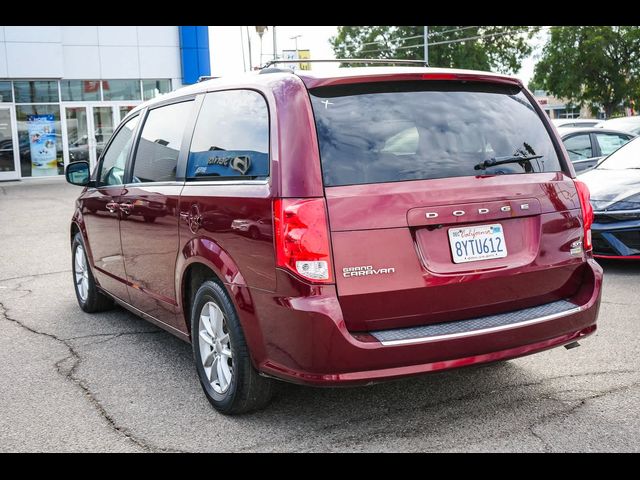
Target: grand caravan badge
366 270
241 163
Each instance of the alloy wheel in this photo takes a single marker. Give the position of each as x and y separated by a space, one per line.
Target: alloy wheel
215 347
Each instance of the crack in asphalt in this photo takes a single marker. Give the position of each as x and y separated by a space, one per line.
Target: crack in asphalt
34 275
388 411
81 384
565 413
620 303
114 335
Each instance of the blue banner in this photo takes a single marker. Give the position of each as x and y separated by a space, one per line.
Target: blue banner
42 143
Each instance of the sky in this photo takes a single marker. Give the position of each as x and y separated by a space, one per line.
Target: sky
226 47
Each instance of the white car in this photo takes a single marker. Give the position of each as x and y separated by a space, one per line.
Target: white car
625 124
575 122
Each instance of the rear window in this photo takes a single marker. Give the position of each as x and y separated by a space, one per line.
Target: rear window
397 131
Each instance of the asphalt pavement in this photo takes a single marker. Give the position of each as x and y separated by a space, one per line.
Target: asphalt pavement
71 381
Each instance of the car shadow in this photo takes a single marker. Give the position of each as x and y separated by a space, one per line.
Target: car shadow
322 404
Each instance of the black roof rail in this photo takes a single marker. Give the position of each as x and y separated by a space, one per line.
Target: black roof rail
204 78
374 61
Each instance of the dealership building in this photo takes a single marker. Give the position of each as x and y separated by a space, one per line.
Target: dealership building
63 90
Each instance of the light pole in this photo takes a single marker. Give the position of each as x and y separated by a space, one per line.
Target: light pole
426 45
296 40
260 31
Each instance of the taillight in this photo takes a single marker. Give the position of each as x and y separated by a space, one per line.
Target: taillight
587 213
302 238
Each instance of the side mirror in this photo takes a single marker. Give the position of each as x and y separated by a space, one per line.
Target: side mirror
77 173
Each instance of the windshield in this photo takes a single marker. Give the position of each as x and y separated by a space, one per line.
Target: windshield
627 156
395 131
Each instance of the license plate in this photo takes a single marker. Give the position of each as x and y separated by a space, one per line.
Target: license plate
483 242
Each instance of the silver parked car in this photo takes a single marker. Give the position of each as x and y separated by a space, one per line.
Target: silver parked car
587 146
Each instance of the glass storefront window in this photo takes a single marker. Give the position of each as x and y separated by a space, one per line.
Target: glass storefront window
40 139
153 88
80 90
38 91
121 89
7 163
5 92
103 124
78 134
124 110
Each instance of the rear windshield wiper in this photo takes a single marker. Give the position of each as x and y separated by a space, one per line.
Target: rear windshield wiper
502 160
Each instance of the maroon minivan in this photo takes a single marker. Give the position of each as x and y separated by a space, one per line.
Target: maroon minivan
341 228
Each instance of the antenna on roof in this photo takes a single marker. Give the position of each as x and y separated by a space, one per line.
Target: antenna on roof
374 61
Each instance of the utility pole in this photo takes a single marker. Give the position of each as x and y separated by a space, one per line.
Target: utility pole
275 45
426 45
244 60
249 42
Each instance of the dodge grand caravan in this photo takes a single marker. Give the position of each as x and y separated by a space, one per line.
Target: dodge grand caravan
407 220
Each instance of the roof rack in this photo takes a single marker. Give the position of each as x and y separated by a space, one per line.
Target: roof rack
350 60
203 78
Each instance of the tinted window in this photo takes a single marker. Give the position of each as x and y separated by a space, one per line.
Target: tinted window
80 90
121 89
36 91
160 141
627 156
231 138
579 147
610 142
386 132
153 88
115 158
5 92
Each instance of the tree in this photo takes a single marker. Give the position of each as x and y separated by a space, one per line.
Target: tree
480 48
597 66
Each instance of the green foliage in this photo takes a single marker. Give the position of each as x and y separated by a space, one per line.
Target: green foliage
592 65
500 48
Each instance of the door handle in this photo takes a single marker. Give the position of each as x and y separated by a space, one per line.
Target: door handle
112 207
126 208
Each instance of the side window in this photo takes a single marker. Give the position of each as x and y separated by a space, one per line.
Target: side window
610 142
579 147
156 157
231 137
114 159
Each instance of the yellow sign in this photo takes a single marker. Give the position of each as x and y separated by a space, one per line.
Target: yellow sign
299 55
306 55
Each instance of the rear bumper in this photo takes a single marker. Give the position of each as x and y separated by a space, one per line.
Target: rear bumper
304 339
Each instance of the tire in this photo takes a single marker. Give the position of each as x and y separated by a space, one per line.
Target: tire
89 297
254 233
246 390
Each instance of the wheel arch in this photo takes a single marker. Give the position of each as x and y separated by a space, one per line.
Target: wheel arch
203 259
194 275
77 226
74 229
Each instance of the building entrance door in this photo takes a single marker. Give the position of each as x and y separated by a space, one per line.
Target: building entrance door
9 164
88 128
